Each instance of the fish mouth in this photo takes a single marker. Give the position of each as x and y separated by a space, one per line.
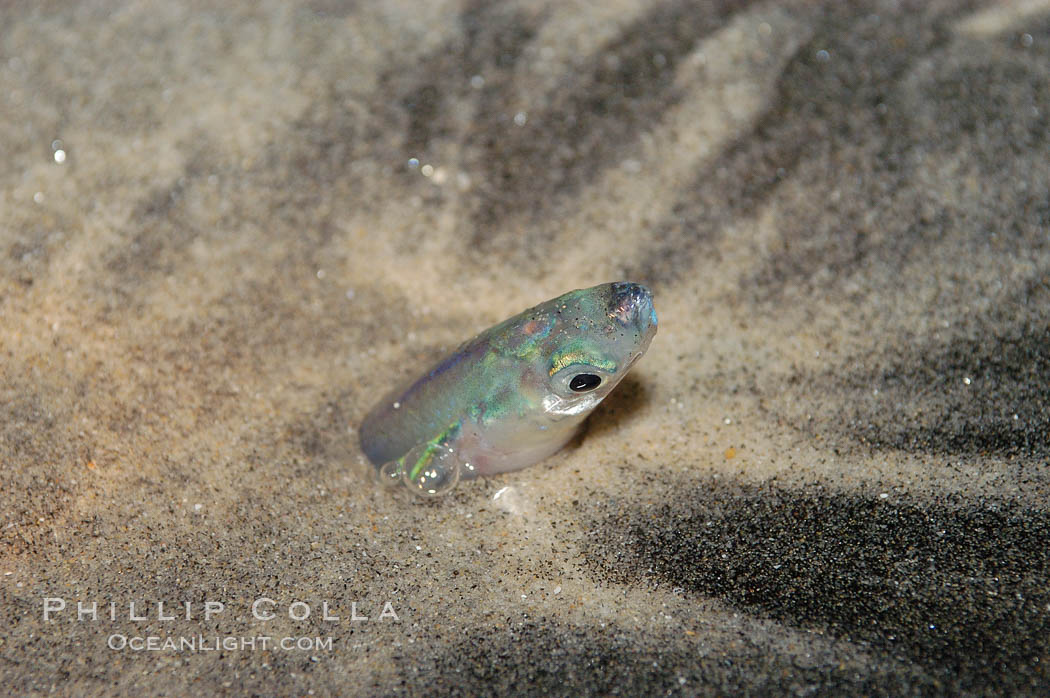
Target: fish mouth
632 304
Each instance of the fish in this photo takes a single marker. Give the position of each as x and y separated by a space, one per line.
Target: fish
514 394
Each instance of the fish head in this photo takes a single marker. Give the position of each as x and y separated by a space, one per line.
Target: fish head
590 340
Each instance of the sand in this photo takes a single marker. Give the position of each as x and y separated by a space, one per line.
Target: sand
224 233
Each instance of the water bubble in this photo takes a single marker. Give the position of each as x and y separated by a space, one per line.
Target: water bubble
426 170
477 82
413 163
520 118
823 56
1026 40
431 474
60 156
390 474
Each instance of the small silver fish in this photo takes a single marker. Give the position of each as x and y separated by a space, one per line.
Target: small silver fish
514 394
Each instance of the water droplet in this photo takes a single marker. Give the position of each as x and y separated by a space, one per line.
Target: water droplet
439 474
520 118
390 474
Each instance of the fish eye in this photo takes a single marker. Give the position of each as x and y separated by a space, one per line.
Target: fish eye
584 382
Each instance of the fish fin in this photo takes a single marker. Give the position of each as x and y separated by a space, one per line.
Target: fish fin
432 468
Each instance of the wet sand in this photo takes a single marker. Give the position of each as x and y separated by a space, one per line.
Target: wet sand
225 233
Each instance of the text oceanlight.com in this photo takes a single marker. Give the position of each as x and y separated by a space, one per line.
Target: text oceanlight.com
213 643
